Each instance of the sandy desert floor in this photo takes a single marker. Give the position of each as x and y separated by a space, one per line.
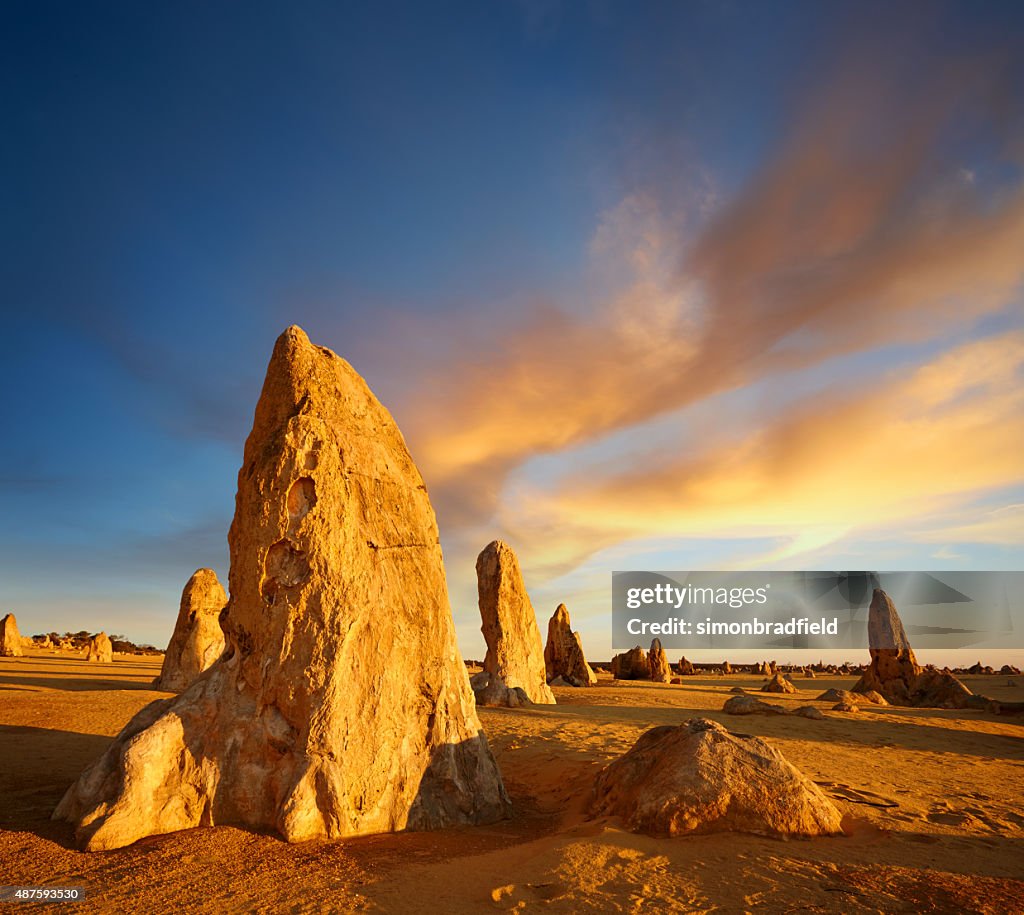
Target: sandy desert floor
935 802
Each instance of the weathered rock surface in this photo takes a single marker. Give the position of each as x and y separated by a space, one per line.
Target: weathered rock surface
842 695
699 778
341 705
563 653
10 638
198 639
514 649
778 684
657 660
686 668
490 690
100 649
846 707
631 665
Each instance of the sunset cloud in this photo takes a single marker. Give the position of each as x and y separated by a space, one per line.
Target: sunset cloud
862 232
836 463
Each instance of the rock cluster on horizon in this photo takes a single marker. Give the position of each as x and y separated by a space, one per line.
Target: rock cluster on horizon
197 640
509 624
698 778
563 652
341 705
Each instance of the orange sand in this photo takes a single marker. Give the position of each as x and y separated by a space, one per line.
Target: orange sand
952 842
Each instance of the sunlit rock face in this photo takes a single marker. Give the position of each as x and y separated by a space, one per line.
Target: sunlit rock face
308 725
509 624
698 778
198 639
563 652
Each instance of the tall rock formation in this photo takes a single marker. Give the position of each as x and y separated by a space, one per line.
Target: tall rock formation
563 653
100 649
657 660
198 639
341 705
894 672
893 667
10 638
514 650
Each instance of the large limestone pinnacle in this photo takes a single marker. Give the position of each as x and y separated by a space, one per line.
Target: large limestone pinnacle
341 705
514 649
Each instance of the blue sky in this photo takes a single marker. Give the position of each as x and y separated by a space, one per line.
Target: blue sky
572 246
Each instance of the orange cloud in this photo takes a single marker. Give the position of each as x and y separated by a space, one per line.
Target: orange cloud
836 463
863 230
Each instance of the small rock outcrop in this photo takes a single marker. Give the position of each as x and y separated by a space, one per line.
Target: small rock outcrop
778 684
686 668
489 690
750 705
842 695
631 665
563 653
657 660
198 639
100 649
10 638
698 778
514 650
341 705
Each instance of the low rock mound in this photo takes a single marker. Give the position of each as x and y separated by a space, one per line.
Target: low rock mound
844 695
698 778
778 684
749 705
